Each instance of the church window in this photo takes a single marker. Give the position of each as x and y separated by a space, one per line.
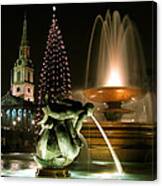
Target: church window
18 75
29 76
29 90
8 112
18 89
13 113
19 112
20 62
24 113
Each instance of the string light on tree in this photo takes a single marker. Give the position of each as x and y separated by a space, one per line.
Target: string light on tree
55 78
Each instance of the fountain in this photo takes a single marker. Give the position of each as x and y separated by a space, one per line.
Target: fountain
115 71
115 78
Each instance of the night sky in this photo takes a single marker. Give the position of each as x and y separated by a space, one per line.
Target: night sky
75 22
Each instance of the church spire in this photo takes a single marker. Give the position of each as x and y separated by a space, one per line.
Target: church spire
24 50
23 72
24 41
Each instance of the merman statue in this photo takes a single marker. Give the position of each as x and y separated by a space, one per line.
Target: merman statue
60 139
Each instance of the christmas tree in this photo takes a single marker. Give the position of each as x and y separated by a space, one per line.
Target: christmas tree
55 78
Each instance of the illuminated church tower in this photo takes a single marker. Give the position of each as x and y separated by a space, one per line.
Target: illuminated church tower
22 81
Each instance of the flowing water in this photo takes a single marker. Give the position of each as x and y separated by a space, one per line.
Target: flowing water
115 55
114 155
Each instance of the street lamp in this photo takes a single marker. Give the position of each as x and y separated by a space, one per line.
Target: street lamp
14 123
33 122
18 118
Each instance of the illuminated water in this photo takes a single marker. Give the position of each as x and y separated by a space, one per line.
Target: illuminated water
23 165
115 54
114 155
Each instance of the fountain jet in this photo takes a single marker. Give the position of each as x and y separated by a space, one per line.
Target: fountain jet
115 71
115 55
114 155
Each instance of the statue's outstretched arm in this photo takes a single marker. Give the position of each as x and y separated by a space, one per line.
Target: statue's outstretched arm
88 110
71 103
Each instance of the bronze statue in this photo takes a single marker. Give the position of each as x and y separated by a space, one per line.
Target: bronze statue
60 138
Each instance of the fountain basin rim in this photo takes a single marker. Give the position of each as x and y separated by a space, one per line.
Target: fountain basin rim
114 110
113 94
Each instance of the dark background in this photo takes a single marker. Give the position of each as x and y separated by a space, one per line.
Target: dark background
75 22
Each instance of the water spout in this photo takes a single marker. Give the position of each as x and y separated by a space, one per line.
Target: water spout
114 155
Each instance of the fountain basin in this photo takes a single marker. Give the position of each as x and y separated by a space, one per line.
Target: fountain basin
133 142
113 94
20 166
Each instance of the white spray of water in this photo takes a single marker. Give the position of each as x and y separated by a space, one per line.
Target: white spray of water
114 155
115 55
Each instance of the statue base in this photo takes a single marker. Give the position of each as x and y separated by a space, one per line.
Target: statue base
53 173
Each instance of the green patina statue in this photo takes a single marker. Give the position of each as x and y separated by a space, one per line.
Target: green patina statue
60 138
